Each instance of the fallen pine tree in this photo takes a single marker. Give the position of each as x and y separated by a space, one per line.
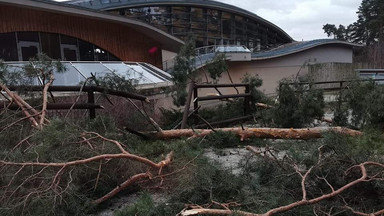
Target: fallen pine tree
245 133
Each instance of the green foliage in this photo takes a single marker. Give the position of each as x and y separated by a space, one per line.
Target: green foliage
339 33
257 96
116 82
368 28
365 101
220 112
145 206
170 117
182 71
10 75
221 139
370 24
297 105
274 183
43 66
208 182
217 66
223 111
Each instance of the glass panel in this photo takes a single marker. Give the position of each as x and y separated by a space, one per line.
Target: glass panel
28 52
145 73
87 52
18 67
70 77
69 52
100 54
367 75
50 45
96 69
380 76
227 24
127 72
8 47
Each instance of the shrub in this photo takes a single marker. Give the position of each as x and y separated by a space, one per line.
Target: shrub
297 105
364 101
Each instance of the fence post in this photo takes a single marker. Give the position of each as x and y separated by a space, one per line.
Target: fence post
91 100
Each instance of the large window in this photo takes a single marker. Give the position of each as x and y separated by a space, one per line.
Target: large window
21 46
8 47
209 26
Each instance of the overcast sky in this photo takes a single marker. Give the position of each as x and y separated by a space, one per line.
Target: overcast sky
302 19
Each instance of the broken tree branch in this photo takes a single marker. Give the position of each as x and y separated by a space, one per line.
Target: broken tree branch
122 186
95 158
45 100
364 177
20 104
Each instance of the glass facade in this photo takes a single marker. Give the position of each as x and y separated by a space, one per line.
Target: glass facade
78 72
210 26
21 46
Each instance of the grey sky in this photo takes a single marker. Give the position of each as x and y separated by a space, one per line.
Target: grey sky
302 19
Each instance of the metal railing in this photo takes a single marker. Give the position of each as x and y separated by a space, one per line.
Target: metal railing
206 53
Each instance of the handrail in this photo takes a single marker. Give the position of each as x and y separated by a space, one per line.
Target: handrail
340 81
80 88
205 50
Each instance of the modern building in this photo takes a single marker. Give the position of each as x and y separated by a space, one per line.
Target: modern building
152 31
264 49
211 22
82 37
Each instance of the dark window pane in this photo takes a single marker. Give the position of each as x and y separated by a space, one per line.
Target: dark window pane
8 47
112 57
100 54
50 45
86 51
28 52
69 54
28 36
68 40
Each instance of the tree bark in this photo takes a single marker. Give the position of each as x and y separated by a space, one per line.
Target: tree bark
122 186
21 105
187 105
271 133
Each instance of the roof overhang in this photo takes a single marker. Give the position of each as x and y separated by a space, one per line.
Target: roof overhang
168 41
297 47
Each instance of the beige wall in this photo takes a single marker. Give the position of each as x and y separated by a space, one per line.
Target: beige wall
275 69
271 71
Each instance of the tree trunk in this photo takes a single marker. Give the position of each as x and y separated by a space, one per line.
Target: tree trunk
187 105
272 133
